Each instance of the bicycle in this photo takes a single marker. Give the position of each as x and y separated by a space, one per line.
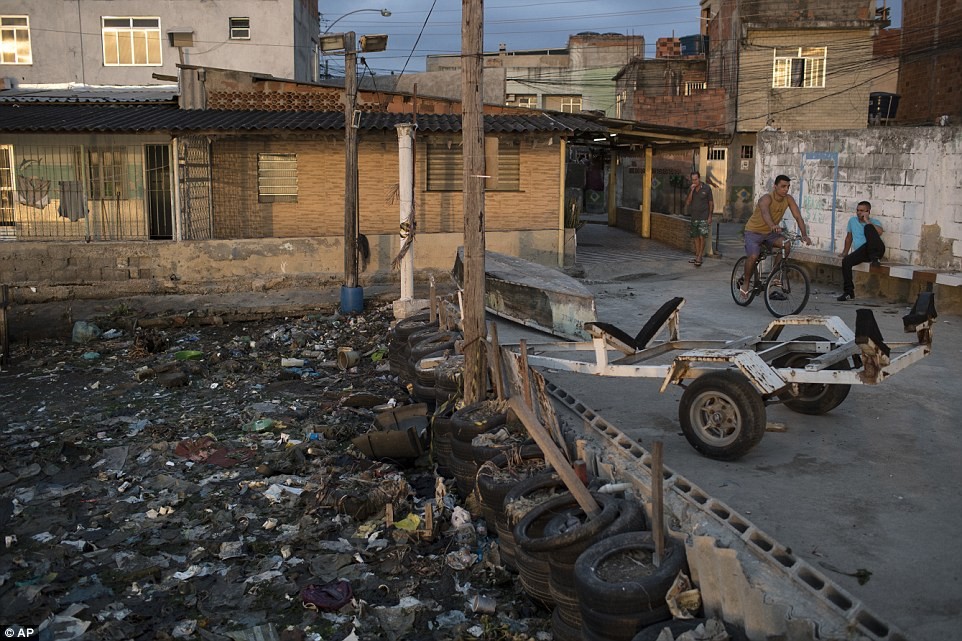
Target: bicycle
785 288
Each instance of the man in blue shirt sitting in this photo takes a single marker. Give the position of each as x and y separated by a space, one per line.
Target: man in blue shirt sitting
864 241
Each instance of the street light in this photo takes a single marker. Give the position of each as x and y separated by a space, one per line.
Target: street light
352 296
383 12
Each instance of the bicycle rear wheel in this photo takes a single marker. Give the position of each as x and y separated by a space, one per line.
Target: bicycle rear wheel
786 291
738 281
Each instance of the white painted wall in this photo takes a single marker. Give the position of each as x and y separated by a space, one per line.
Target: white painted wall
911 175
67 45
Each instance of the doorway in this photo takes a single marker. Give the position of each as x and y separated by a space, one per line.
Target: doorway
159 202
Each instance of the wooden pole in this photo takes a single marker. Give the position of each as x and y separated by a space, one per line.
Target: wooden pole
657 503
496 362
350 161
554 457
646 196
432 302
472 137
525 375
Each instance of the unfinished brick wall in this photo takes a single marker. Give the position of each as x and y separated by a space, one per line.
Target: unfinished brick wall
701 110
931 62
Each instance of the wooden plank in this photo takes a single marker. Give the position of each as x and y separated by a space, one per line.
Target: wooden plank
657 502
554 457
496 363
525 372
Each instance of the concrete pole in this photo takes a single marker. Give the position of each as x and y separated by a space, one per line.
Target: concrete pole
646 196
405 135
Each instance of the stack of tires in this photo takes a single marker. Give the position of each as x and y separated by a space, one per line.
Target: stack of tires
499 475
534 548
532 491
468 423
427 349
398 346
566 532
620 591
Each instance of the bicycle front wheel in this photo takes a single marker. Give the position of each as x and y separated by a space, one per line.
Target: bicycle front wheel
786 291
738 281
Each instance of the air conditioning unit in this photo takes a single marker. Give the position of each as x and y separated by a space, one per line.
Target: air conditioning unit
180 37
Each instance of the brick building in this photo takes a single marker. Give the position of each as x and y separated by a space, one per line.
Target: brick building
930 83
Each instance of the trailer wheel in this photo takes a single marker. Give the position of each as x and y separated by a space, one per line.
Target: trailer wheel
813 398
722 415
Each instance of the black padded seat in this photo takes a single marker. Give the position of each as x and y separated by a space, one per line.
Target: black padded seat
645 335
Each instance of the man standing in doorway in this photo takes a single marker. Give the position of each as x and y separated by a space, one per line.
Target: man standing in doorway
700 205
763 228
864 240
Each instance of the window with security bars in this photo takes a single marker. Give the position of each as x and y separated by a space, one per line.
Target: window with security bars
6 190
240 28
502 160
717 153
15 40
799 67
106 176
747 151
131 41
277 178
695 87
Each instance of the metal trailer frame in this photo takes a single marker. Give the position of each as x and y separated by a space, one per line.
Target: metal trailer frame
723 416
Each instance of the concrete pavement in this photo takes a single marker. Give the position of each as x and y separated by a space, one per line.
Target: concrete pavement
872 485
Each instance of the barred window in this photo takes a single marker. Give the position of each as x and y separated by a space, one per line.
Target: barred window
748 151
502 160
131 42
277 178
717 153
799 67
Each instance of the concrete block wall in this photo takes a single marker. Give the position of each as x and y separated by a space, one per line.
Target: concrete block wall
910 175
40 272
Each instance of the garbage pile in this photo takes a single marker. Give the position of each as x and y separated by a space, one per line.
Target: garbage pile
187 482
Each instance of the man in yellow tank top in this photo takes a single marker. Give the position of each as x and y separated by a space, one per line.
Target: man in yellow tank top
763 228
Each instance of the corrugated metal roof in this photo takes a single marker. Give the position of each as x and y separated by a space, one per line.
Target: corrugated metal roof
71 93
85 118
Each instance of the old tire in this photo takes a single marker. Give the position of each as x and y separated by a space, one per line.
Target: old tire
813 398
722 415
629 595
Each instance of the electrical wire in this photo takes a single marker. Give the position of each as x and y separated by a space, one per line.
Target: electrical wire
418 39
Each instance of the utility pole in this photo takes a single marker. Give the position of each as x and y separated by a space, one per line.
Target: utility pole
352 297
472 137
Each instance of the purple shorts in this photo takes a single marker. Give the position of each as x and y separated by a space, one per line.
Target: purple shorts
754 241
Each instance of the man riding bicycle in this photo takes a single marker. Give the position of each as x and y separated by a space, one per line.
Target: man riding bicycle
763 228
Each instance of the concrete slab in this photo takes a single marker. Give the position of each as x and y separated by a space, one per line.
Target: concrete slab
871 486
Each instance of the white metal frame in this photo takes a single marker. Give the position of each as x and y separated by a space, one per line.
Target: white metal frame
751 355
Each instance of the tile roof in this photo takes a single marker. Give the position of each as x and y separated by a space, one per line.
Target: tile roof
87 118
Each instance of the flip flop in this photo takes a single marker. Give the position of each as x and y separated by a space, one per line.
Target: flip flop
697 263
693 260
744 293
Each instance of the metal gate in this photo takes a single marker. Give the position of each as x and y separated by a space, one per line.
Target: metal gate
193 163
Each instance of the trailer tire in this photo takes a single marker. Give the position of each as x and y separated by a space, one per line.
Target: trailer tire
722 415
813 398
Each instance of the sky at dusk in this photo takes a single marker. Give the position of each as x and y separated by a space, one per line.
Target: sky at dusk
519 24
